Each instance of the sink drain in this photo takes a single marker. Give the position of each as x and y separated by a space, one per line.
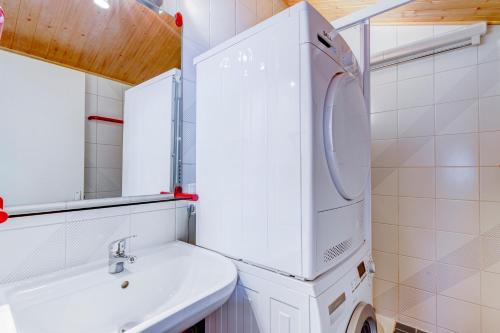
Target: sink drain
127 327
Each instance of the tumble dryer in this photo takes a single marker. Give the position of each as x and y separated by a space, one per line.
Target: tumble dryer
283 146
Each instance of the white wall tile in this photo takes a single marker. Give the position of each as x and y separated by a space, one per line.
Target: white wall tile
90 126
385 237
459 282
109 88
489 79
109 107
489 113
246 14
489 150
383 38
196 17
416 212
417 182
109 156
90 179
90 84
416 152
30 252
490 289
457 150
109 180
490 218
460 183
458 249
385 209
489 49
456 59
384 125
90 155
190 50
385 153
417 273
458 315
385 181
457 216
153 228
384 75
222 25
88 240
417 243
181 224
456 85
109 134
417 304
384 97
490 183
189 142
457 117
189 101
416 68
416 121
387 265
416 92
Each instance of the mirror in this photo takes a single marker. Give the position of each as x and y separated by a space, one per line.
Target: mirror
89 97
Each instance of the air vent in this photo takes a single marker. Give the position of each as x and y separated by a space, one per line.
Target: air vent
337 250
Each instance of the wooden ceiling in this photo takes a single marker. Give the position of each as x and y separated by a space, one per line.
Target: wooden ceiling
126 42
417 12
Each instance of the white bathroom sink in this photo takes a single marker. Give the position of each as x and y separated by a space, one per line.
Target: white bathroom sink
169 289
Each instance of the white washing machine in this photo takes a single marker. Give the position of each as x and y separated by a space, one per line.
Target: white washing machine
339 301
283 146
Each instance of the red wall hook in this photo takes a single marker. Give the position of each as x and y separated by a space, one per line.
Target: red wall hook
3 214
178 19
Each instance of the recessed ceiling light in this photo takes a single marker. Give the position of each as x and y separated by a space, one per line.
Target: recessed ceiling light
102 3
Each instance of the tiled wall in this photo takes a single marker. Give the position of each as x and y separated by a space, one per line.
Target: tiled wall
42 244
103 141
436 184
206 24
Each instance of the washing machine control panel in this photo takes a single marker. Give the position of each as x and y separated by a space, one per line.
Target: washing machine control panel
358 276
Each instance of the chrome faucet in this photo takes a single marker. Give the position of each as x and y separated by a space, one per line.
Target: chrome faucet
118 255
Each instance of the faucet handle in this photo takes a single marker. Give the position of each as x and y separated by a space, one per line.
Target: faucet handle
119 246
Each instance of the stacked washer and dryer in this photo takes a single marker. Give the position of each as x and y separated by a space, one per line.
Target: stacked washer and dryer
283 165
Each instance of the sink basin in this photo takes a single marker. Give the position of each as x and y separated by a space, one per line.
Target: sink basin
168 289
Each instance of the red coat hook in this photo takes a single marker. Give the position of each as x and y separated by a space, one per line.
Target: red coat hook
178 19
3 214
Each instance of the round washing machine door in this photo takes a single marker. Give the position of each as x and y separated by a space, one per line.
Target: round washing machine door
363 320
346 135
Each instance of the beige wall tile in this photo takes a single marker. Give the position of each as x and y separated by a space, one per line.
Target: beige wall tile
417 182
385 209
387 266
457 183
418 243
385 237
457 216
457 150
458 315
417 212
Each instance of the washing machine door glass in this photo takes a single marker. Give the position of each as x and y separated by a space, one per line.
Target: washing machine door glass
346 135
362 320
